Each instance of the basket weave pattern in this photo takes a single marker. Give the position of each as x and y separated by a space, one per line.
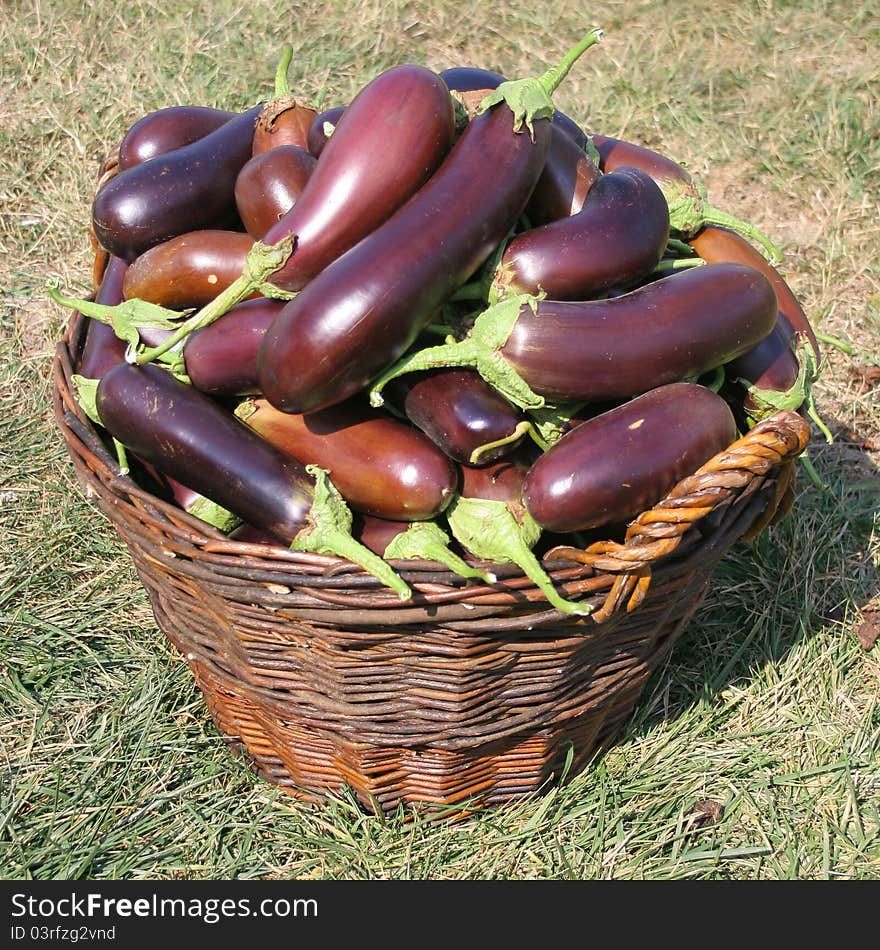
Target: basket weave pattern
324 679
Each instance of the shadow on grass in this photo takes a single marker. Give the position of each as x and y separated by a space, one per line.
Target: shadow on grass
810 573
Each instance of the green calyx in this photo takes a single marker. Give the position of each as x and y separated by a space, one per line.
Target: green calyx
690 211
213 514
489 529
262 261
480 349
329 532
530 99
426 540
125 317
87 396
550 423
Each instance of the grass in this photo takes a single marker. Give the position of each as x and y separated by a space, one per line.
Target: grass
754 752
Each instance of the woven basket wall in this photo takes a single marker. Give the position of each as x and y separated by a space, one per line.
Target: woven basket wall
325 680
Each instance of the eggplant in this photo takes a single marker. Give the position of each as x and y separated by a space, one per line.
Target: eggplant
189 270
716 244
269 185
191 438
165 130
221 359
689 207
461 413
190 188
322 127
389 141
568 171
489 519
564 351
103 348
620 463
380 465
284 120
618 236
367 307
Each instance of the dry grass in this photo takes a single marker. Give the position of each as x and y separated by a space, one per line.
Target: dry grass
755 752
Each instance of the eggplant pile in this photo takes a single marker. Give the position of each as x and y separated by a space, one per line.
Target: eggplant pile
439 321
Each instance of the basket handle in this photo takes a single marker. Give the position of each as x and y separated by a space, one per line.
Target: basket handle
773 443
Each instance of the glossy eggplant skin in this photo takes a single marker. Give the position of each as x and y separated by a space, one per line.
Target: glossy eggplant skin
568 171
618 236
501 481
317 135
565 182
370 305
771 366
188 189
269 185
377 533
714 244
380 465
192 439
221 358
616 465
458 410
188 270
165 130
389 141
671 329
103 348
672 178
282 121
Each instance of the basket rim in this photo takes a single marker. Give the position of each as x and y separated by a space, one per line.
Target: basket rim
610 574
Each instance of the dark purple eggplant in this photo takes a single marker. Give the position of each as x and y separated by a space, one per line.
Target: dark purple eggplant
390 139
568 171
616 465
689 208
103 348
380 465
617 237
269 185
489 519
321 128
565 182
221 359
461 413
192 439
366 308
165 130
190 188
189 270
566 351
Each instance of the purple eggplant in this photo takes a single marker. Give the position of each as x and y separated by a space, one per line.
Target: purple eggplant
366 308
221 359
269 185
617 237
188 270
565 351
689 208
380 465
461 413
195 441
321 128
103 348
190 188
616 465
165 130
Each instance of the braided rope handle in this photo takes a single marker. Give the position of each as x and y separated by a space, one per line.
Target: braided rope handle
773 443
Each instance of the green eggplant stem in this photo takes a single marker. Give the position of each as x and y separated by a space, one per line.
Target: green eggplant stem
262 261
670 264
426 540
551 79
282 86
519 431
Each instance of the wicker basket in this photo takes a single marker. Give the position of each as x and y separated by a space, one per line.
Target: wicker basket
471 692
